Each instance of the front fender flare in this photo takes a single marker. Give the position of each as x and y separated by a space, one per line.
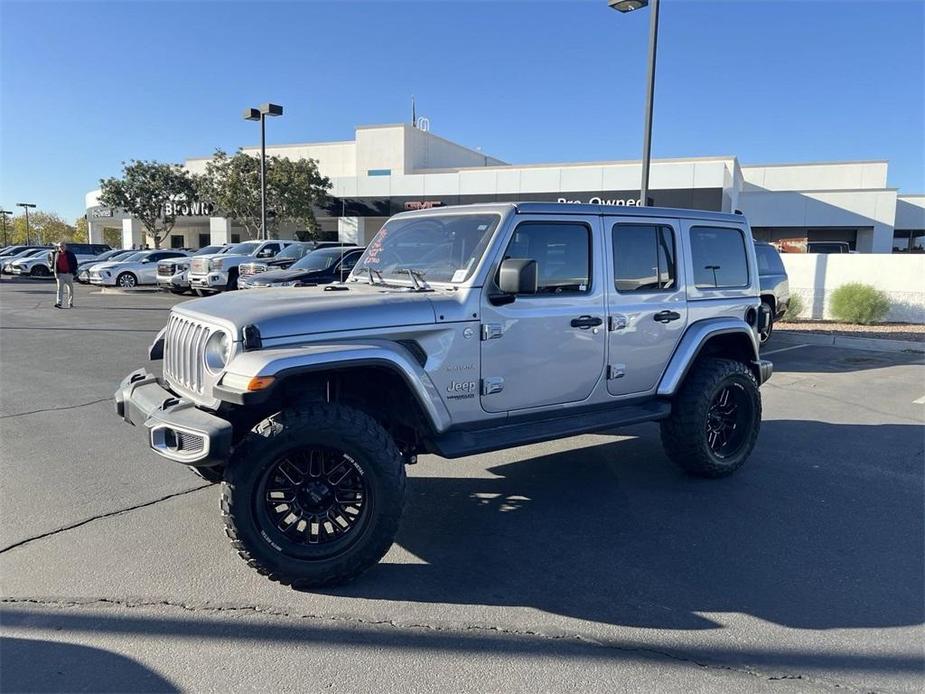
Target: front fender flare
282 363
688 349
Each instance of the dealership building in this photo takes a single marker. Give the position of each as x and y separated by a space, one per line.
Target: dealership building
388 169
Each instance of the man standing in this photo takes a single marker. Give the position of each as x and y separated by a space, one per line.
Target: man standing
65 264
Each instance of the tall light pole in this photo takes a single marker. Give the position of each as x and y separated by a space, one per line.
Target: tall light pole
26 206
3 215
261 114
625 6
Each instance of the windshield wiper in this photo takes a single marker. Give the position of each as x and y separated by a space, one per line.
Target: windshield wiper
417 278
371 271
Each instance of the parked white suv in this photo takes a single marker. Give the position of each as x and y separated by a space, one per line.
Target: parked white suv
216 273
39 264
137 269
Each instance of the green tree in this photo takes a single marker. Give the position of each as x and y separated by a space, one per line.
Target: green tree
294 189
44 228
145 191
81 230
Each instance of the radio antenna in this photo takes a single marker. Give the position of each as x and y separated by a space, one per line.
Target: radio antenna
414 118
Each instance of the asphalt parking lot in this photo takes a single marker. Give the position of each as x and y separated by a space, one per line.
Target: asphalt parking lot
578 564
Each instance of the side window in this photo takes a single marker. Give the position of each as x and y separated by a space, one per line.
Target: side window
79 248
719 257
562 251
643 258
350 261
269 250
769 261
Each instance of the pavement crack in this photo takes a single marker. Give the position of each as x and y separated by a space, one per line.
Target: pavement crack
576 639
101 516
55 409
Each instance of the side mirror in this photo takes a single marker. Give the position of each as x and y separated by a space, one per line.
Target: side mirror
518 276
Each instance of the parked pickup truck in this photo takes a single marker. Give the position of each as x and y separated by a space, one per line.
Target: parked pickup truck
173 274
216 273
461 330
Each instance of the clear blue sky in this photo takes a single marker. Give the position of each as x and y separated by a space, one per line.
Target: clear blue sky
86 85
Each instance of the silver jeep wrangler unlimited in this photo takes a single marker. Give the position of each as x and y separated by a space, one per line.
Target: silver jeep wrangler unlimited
461 330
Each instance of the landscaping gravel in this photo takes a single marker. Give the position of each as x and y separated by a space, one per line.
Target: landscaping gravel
912 332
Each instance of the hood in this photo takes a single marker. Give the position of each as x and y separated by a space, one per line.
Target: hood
271 276
312 310
105 265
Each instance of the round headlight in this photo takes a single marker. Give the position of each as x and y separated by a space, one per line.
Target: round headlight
218 350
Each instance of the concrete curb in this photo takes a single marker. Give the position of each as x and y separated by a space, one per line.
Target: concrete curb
133 290
869 344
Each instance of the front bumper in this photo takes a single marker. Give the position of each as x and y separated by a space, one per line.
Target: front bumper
765 369
214 280
173 282
176 428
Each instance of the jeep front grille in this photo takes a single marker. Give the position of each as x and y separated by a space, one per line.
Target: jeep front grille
184 344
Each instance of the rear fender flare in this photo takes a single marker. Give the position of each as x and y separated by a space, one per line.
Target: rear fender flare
292 361
693 342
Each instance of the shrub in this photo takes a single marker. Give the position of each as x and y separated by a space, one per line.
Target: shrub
859 303
794 308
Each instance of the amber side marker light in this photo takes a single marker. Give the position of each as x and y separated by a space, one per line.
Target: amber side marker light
260 383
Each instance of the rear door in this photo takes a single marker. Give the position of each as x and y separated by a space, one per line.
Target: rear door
647 310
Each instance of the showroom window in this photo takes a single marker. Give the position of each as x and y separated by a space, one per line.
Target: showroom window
719 257
562 252
643 258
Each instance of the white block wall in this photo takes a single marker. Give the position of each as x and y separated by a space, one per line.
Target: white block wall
814 276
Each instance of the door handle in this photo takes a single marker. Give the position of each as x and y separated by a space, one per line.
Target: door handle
585 322
666 316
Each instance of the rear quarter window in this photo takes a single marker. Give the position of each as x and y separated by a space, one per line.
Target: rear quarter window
769 262
719 257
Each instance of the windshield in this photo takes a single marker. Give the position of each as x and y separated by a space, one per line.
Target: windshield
208 250
34 252
133 257
443 248
296 250
318 260
245 248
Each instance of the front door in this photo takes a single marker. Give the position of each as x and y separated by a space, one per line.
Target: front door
547 348
648 305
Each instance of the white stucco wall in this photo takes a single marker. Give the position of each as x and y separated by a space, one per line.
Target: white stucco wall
910 212
815 276
859 175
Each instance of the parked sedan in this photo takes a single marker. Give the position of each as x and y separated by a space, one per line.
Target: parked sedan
323 266
137 269
24 252
83 267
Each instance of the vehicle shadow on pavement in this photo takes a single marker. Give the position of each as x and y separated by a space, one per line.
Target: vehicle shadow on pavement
30 665
823 359
615 534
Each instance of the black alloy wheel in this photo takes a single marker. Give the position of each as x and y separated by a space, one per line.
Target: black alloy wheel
727 418
314 499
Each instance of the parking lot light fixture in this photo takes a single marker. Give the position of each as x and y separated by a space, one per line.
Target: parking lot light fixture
260 114
26 206
626 6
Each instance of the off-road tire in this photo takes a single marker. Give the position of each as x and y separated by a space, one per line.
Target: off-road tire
763 337
684 433
323 425
209 474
